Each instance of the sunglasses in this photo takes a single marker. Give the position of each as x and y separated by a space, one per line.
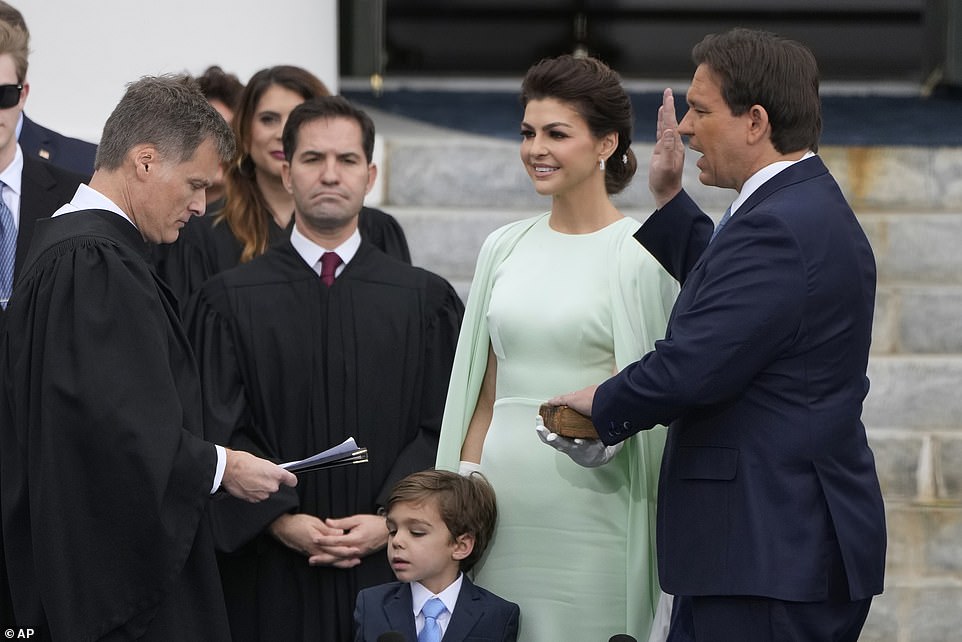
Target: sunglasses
10 95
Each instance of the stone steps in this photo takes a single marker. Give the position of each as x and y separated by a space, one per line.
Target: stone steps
919 302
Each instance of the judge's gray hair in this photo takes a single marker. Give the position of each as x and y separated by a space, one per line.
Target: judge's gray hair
169 112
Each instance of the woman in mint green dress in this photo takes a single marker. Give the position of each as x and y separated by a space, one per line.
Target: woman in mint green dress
558 302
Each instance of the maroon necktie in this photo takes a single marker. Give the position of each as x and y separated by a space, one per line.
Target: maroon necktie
329 263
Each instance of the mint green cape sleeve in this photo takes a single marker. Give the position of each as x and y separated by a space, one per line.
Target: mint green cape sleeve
642 295
471 357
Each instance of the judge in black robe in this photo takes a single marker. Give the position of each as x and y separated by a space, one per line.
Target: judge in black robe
104 475
207 246
291 367
102 501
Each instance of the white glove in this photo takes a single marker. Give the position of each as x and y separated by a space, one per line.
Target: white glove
589 453
465 468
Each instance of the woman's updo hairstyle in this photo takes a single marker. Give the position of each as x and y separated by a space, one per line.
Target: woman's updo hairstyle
594 90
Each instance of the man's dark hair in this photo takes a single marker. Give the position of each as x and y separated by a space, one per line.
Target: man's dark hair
168 112
466 504
327 107
217 84
762 68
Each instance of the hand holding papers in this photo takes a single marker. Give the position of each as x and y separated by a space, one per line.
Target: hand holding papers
346 453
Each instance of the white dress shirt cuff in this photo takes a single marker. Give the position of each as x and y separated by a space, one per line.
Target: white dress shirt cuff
221 465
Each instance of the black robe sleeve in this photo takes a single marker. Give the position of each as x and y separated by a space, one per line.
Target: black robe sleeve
384 232
443 323
228 419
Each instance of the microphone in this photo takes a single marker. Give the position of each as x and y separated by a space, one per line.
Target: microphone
622 637
392 636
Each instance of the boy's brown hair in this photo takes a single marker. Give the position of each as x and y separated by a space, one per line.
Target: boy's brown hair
466 504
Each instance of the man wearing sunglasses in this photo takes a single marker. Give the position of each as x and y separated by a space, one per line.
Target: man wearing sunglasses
29 189
38 142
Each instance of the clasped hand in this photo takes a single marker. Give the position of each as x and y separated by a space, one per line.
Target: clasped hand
340 543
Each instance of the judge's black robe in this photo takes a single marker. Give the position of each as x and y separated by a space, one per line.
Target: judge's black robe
207 246
291 367
105 476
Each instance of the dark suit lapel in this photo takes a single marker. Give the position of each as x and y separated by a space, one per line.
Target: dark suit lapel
799 172
399 611
467 611
33 140
40 196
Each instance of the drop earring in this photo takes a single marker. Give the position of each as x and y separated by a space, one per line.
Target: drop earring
601 164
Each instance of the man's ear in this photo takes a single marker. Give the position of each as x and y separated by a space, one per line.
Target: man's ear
758 125
371 177
463 546
286 177
145 159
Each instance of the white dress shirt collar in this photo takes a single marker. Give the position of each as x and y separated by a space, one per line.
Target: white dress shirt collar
311 252
761 177
87 198
12 174
420 595
12 177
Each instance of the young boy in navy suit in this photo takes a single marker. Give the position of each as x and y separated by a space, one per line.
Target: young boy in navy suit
439 524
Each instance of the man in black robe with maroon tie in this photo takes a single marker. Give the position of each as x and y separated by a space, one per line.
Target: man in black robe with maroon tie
105 477
322 338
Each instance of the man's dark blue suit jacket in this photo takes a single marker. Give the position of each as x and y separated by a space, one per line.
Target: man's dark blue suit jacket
768 486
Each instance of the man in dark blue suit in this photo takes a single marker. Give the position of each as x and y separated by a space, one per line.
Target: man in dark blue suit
770 518
30 189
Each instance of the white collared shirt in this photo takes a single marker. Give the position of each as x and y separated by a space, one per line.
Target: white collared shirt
761 177
12 177
420 596
311 252
87 198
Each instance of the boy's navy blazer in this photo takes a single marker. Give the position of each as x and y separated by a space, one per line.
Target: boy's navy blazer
768 485
479 615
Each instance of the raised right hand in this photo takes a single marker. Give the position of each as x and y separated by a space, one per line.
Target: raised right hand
253 479
668 155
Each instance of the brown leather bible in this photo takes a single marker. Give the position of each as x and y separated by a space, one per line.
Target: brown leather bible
567 422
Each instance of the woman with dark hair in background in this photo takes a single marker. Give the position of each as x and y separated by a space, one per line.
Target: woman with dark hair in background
258 209
567 296
223 91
